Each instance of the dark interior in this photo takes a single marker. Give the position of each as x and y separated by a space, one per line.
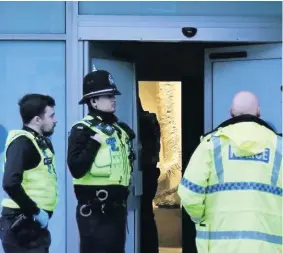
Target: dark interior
174 62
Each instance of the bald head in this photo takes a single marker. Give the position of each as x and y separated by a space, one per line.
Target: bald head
245 102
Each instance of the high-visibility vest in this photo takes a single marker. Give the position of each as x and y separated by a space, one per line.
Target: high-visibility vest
112 164
39 183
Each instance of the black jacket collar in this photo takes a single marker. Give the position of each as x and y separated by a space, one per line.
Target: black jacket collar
244 118
106 117
30 130
39 138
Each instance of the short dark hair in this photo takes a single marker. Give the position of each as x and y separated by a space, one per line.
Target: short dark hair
32 105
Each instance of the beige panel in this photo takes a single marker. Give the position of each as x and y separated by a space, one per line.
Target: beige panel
164 99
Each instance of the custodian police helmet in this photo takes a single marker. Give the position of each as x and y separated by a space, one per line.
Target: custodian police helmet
98 83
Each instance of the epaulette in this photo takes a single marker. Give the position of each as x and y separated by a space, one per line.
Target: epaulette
92 122
105 128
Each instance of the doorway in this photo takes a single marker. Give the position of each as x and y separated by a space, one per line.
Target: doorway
178 67
162 64
164 100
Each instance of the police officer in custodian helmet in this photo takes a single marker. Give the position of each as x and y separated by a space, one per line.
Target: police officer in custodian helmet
100 160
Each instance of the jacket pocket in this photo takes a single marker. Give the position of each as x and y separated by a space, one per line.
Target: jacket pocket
202 238
6 234
102 164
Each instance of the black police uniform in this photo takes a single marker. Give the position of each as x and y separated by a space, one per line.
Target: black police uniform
150 141
19 234
105 229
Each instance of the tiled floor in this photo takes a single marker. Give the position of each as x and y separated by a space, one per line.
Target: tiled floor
169 229
170 250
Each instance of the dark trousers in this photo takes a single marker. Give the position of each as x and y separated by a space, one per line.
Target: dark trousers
11 243
149 233
102 232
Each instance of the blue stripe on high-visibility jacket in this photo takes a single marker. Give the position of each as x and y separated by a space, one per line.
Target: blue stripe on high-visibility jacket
193 187
244 186
232 186
236 235
218 158
277 162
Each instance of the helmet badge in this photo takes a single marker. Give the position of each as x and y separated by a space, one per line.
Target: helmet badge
111 80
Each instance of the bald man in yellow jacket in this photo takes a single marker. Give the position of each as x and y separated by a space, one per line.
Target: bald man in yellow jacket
232 186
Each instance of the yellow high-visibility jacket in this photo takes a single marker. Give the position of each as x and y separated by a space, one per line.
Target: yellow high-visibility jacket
232 190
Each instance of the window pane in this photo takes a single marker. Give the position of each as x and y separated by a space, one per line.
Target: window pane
180 8
36 67
32 17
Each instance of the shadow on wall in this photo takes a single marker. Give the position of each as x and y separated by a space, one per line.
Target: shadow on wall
3 137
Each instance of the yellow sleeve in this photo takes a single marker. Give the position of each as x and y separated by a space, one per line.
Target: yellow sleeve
194 182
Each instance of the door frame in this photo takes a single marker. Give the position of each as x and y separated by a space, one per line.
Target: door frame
169 28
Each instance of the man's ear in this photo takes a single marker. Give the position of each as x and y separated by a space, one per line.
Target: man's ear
93 101
36 119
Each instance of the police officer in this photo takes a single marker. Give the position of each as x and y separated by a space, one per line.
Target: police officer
150 142
29 181
232 187
100 160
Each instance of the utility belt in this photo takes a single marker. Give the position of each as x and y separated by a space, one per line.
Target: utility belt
102 204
